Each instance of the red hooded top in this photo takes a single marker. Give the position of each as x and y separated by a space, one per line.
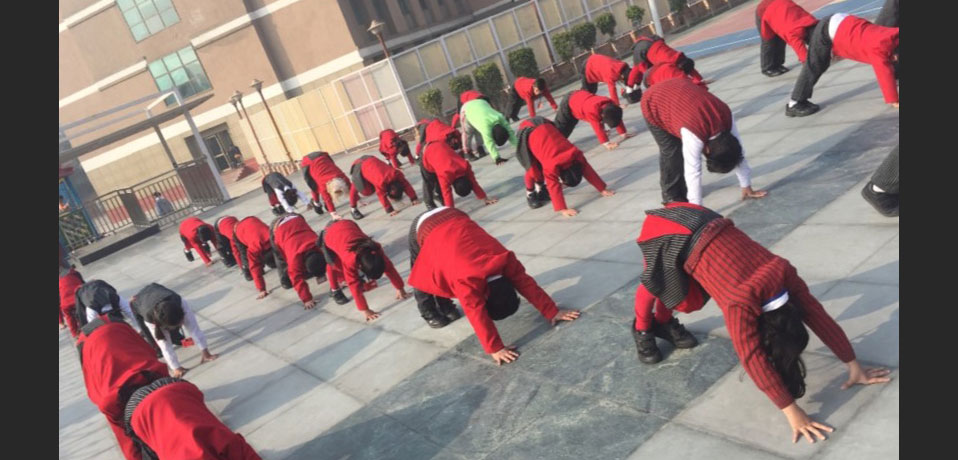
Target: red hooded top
387 143
254 234
442 161
378 174
786 20
588 107
469 95
175 423
862 41
680 103
69 283
339 237
295 239
523 87
115 360
555 153
225 226
323 169
456 257
189 229
600 68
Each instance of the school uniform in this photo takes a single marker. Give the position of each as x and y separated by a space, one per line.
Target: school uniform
391 146
143 304
372 175
70 281
224 239
478 115
440 167
293 240
780 22
318 169
342 264
600 68
651 50
252 241
274 185
583 105
523 91
97 297
190 235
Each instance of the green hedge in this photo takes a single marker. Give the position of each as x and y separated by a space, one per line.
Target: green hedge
523 63
584 35
564 43
460 84
489 80
431 101
606 24
635 14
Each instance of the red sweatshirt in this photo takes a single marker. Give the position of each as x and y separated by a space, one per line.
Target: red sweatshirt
112 357
175 422
788 21
254 234
387 143
225 226
69 283
295 240
862 41
442 161
378 174
323 169
658 52
587 106
555 153
524 87
600 68
680 103
666 71
456 258
338 237
189 229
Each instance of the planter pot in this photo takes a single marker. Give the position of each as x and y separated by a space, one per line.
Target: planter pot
562 74
623 44
580 61
604 49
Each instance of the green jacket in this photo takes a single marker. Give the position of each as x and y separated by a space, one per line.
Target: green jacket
482 117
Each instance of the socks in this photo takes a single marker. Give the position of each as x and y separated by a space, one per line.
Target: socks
792 102
877 189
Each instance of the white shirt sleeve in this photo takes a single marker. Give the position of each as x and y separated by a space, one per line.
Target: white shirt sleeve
166 346
282 200
192 327
742 171
128 312
692 155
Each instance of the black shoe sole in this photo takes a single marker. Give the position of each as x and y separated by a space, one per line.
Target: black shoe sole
800 114
437 324
872 198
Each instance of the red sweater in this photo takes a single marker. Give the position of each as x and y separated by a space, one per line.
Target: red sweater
455 259
555 153
323 169
387 143
189 229
666 71
679 103
69 283
378 174
113 356
442 161
338 237
175 423
600 68
862 41
295 239
658 52
785 19
588 107
225 226
523 87
254 234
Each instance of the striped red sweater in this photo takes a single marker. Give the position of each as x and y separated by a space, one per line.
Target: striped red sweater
680 103
741 276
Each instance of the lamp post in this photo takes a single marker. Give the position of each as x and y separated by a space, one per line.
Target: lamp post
238 99
376 28
258 86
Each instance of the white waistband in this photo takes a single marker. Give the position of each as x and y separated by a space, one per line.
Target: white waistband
833 23
775 303
423 217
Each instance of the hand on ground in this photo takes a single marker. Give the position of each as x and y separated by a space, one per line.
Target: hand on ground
565 315
608 192
370 315
506 355
569 212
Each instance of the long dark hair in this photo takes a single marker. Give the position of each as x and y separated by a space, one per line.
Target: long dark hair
784 337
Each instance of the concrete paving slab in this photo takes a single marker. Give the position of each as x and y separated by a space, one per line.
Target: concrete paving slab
677 441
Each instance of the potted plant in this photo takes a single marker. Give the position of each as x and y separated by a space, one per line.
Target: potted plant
522 62
489 82
584 35
605 22
635 14
564 44
460 84
679 9
430 101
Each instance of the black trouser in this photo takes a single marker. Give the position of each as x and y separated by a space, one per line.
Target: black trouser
430 306
430 187
888 16
671 165
565 122
590 87
515 104
772 53
886 176
819 58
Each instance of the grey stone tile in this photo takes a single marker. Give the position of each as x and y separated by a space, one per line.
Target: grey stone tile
677 441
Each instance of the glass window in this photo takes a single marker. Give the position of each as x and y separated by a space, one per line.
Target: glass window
147 17
181 69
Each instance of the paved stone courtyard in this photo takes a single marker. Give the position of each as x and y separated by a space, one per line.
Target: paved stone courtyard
322 384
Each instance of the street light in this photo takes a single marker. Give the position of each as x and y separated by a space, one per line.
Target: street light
238 99
376 28
258 86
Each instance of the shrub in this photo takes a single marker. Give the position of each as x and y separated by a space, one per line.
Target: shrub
606 24
564 44
635 14
523 63
431 101
584 35
489 80
460 84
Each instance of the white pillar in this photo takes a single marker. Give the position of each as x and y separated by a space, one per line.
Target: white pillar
202 145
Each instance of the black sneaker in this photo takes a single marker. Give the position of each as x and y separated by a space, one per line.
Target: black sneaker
782 69
801 109
356 214
674 333
645 344
885 203
473 156
278 210
450 311
533 202
339 297
543 195
774 72
437 322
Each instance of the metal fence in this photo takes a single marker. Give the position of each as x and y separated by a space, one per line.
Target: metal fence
187 188
434 63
